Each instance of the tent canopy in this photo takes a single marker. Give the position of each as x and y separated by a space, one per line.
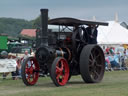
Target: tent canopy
112 34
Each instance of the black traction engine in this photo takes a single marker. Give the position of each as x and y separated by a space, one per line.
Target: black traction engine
64 52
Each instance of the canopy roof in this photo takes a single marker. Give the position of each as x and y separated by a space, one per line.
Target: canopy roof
67 21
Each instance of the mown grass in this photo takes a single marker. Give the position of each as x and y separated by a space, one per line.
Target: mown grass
114 84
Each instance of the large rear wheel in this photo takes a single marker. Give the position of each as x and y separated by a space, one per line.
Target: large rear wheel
92 63
30 71
59 71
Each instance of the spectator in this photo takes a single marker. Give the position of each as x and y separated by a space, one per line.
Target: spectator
107 62
113 58
26 54
15 74
111 50
4 55
123 58
107 50
92 32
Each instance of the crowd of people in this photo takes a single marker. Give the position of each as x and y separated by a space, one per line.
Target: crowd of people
115 61
16 74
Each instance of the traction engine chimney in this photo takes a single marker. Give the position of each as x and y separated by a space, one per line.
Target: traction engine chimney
44 26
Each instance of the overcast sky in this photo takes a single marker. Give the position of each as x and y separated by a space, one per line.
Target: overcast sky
83 9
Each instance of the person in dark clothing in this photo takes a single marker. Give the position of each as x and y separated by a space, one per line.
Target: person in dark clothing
15 74
92 33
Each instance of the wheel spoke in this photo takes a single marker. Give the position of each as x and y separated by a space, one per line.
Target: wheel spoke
91 63
27 70
58 70
91 56
91 60
98 65
96 73
97 56
58 76
96 76
62 65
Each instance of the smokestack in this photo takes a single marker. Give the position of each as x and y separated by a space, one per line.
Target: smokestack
44 25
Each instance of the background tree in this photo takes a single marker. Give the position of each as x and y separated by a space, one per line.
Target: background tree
13 27
36 23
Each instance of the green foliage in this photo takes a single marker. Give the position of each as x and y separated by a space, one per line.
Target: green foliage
36 23
13 27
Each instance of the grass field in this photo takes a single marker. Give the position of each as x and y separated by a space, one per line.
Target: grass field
114 84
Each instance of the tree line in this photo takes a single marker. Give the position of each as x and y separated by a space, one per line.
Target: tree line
13 26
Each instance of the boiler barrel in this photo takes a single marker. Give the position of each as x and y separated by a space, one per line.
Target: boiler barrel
46 54
63 52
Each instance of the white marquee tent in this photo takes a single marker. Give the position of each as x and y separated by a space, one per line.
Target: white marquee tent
112 34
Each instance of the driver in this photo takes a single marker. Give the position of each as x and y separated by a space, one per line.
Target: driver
92 33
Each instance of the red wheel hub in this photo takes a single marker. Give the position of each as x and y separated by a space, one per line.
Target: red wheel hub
62 71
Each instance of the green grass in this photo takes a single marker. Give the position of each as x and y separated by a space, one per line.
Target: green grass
114 84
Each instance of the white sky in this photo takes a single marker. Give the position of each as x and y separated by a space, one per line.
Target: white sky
103 10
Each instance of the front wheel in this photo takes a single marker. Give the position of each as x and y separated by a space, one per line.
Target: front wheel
30 71
59 71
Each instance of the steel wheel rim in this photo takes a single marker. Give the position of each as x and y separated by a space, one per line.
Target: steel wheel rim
32 71
62 72
96 66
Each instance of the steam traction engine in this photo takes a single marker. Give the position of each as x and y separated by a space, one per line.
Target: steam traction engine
65 53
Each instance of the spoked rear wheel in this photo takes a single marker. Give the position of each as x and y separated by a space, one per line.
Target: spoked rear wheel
30 71
92 64
59 71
